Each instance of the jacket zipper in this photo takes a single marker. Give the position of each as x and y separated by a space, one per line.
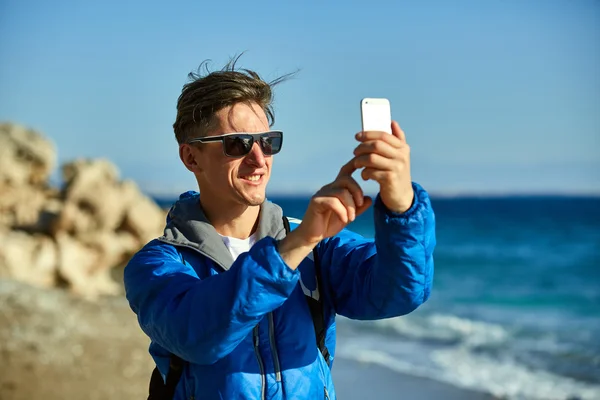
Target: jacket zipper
260 363
274 348
326 394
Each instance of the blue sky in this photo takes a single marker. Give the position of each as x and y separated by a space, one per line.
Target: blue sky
494 96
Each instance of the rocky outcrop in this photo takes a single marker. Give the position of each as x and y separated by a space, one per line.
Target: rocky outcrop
73 235
26 157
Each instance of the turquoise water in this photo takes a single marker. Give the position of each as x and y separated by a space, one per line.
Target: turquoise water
515 308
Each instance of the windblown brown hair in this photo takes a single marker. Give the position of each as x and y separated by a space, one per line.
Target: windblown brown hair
206 94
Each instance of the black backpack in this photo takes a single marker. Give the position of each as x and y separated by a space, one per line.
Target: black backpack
160 390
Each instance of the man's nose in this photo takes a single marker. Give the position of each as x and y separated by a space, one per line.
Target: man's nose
256 156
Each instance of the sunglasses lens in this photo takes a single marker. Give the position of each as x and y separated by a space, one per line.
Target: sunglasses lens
240 145
271 142
237 146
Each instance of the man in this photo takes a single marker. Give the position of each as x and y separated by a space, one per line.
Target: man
224 288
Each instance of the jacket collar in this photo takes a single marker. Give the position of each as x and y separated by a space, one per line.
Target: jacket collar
188 226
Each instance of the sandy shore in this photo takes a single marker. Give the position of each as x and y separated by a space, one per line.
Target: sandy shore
56 346
361 381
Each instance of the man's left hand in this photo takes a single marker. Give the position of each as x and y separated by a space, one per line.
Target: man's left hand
386 160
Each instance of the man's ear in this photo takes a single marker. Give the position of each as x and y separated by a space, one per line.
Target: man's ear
188 154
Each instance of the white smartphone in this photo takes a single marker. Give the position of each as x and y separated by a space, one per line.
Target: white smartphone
376 115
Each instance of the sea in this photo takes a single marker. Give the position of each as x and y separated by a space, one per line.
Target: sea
515 305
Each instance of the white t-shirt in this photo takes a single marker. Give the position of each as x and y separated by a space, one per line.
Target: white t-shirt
238 246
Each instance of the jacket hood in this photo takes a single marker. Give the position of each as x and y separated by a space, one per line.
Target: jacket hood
188 226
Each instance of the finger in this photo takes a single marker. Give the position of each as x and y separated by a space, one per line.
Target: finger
378 147
376 175
398 132
367 201
339 191
347 169
334 205
393 140
375 161
347 200
353 187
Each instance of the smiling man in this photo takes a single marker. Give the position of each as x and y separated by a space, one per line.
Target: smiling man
238 302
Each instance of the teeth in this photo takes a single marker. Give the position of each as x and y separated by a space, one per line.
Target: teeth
252 178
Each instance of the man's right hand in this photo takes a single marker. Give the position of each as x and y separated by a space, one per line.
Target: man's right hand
333 207
330 210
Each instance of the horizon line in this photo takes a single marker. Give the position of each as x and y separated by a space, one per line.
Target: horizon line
432 194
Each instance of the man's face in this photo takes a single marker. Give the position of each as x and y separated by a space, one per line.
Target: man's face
239 180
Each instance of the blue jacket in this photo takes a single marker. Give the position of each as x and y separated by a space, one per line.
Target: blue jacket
245 327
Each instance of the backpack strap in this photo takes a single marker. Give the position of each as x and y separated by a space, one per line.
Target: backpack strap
160 390
315 306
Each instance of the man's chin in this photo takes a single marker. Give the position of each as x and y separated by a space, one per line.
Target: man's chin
253 200
255 203
253 196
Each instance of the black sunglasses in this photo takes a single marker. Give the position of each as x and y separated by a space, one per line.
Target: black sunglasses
239 144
